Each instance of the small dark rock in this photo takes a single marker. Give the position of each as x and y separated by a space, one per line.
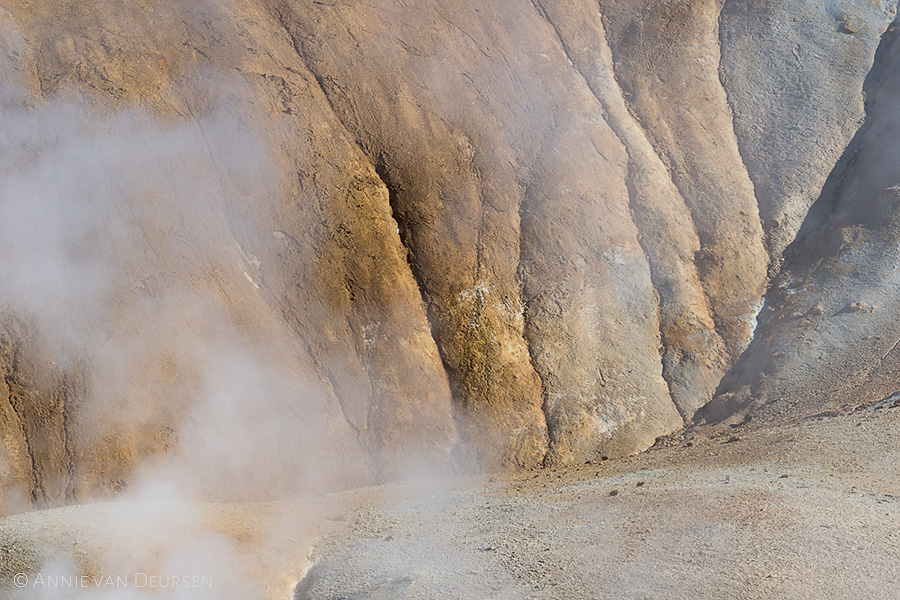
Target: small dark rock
849 24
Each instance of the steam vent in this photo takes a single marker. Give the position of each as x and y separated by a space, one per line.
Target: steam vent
261 250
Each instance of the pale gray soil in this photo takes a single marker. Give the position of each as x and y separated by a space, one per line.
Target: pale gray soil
805 510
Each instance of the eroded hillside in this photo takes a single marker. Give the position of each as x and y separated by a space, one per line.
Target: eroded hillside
262 246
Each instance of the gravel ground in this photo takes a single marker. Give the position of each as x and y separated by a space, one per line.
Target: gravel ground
805 510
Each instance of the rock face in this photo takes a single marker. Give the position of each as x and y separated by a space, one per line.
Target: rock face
293 245
800 104
828 337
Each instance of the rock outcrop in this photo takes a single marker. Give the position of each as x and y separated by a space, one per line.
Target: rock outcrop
794 73
311 244
828 337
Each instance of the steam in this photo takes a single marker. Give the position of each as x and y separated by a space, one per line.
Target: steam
116 245
127 254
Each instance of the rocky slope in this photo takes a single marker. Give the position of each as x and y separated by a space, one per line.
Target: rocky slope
259 246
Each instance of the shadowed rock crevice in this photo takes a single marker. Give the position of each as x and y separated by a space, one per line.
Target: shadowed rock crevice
36 492
403 230
464 457
481 303
40 413
382 373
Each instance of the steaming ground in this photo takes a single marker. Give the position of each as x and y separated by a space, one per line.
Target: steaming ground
804 510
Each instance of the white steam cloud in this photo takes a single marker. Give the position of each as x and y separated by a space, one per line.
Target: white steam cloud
126 253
